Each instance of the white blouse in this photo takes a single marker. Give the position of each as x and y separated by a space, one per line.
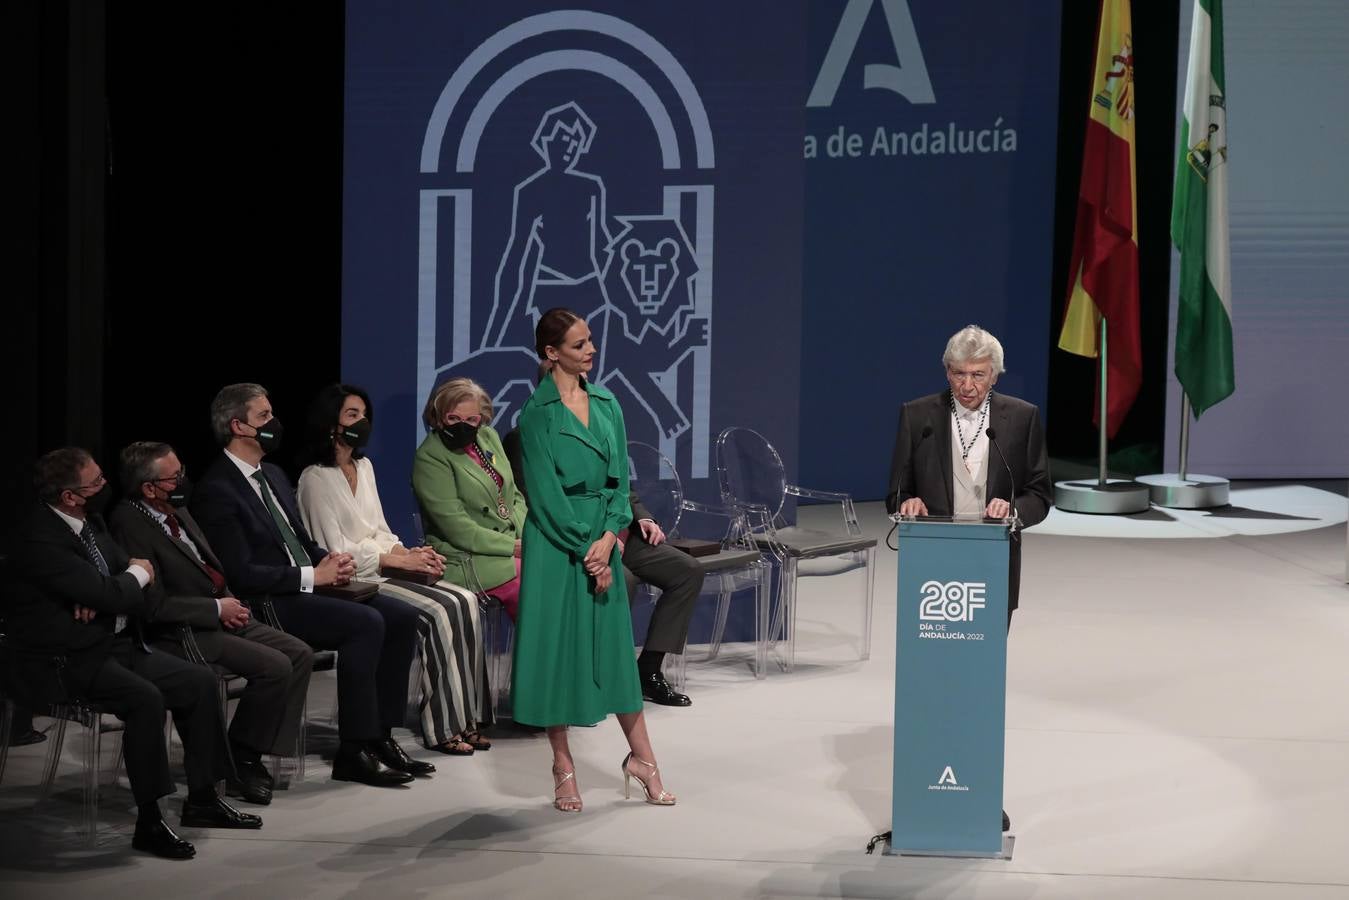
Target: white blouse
344 522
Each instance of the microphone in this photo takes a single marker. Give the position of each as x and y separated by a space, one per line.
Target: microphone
895 516
993 439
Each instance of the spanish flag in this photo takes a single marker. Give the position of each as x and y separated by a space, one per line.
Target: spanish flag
1104 264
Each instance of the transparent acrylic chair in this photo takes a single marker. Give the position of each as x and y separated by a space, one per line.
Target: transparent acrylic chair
736 567
754 482
96 725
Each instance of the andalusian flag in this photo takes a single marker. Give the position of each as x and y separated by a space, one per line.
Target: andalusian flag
1104 264
1199 221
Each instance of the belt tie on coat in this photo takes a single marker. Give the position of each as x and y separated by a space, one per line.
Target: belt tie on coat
594 619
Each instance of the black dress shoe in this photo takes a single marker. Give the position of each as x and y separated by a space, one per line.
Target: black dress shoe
396 758
216 813
1006 822
254 769
158 838
656 689
253 784
363 766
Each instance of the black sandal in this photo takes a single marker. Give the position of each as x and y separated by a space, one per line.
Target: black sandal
475 740
455 747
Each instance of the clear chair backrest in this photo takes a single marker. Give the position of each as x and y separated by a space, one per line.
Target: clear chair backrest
656 482
750 471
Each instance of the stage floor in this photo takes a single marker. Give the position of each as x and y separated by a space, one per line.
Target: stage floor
1176 728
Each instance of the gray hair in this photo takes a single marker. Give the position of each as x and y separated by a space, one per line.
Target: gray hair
140 463
972 342
450 394
230 404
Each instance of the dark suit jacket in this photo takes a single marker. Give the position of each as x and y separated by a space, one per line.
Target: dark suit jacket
920 465
49 574
243 534
182 593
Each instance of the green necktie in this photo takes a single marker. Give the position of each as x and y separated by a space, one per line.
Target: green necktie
293 544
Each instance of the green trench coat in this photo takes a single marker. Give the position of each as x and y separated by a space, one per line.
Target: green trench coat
574 654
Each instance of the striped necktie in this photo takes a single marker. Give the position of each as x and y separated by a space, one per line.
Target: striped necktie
96 557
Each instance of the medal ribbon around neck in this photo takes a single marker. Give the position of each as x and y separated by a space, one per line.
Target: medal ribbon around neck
960 431
502 509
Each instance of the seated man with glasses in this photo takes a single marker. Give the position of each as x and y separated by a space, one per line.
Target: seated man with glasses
71 607
190 590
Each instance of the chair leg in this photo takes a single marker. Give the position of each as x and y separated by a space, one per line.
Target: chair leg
869 603
91 781
779 604
53 754
761 621
302 742
719 623
506 664
497 628
6 726
678 664
789 609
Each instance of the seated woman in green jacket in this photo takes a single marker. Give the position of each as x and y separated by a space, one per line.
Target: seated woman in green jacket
466 491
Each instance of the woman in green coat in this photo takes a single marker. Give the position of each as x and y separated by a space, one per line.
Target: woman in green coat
574 656
466 491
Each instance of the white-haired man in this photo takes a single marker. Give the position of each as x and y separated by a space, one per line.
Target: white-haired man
969 452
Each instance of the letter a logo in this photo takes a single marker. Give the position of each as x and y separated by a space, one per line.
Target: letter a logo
948 776
909 79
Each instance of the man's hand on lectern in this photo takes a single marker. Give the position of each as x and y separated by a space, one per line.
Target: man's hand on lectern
914 506
998 508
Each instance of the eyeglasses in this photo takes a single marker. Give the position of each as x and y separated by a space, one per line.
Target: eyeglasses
176 479
978 376
96 483
471 420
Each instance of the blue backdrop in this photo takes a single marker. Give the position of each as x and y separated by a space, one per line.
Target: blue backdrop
774 214
930 143
638 163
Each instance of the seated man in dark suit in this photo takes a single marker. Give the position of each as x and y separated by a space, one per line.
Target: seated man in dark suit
647 558
190 590
246 508
71 609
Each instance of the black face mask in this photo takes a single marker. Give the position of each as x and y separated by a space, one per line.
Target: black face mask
180 495
268 435
459 435
94 504
356 435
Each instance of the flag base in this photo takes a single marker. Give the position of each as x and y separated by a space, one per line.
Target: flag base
1117 497
1191 492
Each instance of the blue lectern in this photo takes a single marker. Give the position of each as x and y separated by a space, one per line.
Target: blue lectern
950 687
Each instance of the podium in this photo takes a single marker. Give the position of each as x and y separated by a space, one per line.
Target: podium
950 688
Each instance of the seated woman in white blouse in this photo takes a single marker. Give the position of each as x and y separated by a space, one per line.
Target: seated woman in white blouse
339 502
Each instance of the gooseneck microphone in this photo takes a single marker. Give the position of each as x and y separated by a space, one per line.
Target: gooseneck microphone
895 517
993 439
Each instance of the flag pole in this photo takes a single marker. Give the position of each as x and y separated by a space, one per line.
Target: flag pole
1103 475
1102 496
1184 434
1183 489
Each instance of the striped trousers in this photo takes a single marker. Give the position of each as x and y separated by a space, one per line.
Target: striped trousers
454 695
